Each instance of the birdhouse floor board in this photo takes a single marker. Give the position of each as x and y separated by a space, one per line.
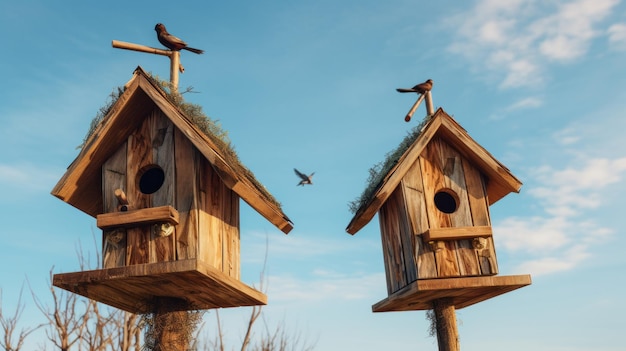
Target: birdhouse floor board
137 288
464 292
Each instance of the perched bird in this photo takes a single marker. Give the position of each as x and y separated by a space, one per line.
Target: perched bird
171 42
306 179
421 88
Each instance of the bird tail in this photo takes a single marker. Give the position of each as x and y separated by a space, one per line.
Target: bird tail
405 90
195 51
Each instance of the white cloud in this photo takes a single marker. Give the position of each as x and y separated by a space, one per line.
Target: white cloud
567 136
331 286
561 238
25 178
553 264
521 104
617 36
514 41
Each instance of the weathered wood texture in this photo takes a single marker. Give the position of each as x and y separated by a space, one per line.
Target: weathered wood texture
113 240
80 186
411 222
454 233
445 324
170 328
397 243
135 288
464 291
501 181
138 217
207 224
220 216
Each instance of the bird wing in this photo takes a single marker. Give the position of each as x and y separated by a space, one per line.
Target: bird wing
423 87
174 40
300 174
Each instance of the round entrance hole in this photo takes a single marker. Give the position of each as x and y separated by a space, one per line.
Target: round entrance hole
151 179
446 201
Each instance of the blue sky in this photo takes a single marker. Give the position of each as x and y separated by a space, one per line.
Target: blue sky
311 84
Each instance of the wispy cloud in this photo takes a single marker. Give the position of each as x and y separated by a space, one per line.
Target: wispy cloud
526 103
324 285
617 36
25 178
287 284
561 238
514 41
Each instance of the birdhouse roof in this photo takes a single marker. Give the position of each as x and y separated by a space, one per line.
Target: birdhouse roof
81 186
500 181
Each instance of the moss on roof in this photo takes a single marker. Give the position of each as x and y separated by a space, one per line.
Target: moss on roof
210 127
378 171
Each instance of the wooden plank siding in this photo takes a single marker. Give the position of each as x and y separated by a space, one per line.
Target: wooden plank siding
162 248
187 197
395 236
444 168
139 156
208 222
411 209
440 125
113 240
207 211
479 205
434 179
81 184
413 188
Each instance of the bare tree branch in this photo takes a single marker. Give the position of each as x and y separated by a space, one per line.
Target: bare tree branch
10 341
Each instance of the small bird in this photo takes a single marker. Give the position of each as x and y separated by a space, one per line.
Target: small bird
305 179
421 88
171 42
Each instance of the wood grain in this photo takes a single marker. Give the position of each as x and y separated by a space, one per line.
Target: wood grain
113 177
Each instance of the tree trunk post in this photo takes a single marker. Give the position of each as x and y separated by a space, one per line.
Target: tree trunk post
170 326
445 319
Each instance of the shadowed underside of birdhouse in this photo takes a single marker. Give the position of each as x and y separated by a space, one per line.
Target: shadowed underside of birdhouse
433 209
169 209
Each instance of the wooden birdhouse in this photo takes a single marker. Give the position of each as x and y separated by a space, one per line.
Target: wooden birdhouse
166 196
433 208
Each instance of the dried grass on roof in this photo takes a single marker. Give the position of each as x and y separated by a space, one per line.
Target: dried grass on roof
378 172
210 127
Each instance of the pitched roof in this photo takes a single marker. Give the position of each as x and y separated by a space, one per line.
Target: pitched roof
500 180
81 187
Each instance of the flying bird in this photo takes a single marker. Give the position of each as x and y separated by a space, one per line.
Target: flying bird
421 88
305 179
171 42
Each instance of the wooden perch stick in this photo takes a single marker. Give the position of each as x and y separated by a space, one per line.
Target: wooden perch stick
415 106
121 200
174 56
142 48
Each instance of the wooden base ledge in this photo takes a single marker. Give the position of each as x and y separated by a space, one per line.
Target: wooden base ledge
137 288
464 292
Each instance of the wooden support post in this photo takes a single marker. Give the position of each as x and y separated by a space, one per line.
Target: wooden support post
174 67
170 329
430 109
445 319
